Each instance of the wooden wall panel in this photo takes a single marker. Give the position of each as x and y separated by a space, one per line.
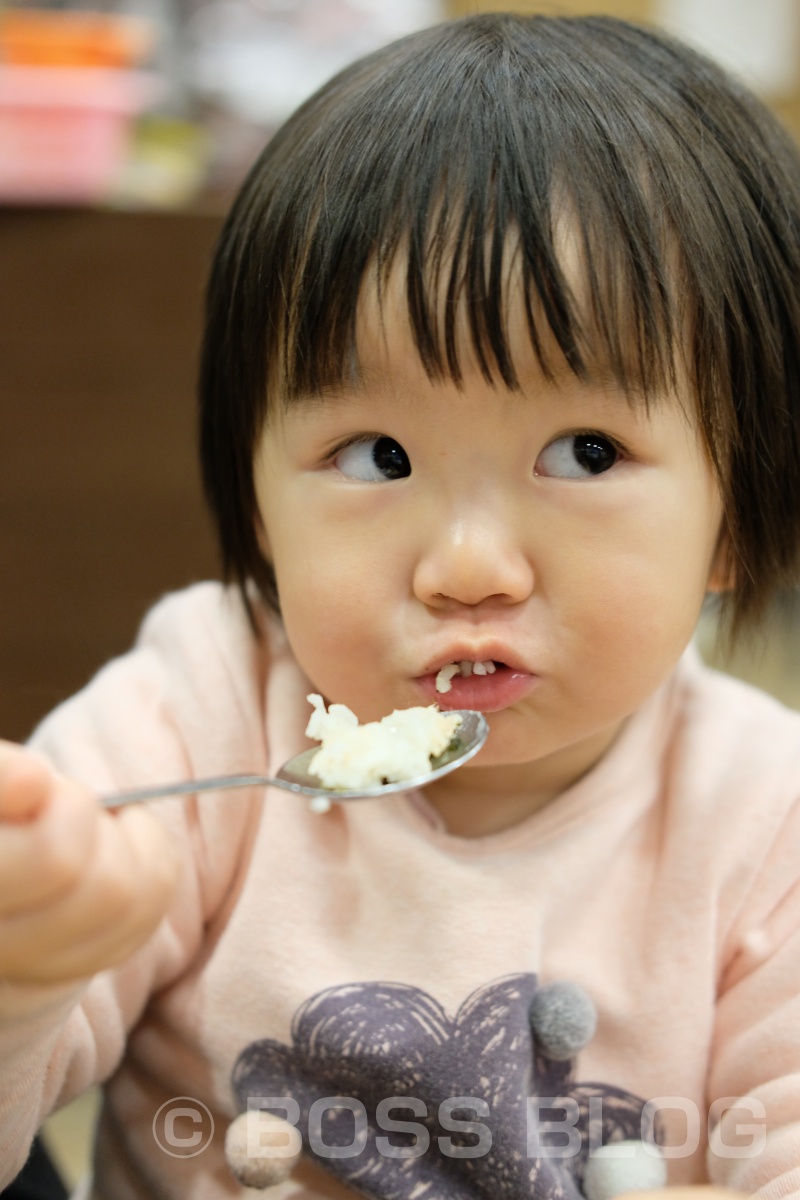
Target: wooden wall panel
100 506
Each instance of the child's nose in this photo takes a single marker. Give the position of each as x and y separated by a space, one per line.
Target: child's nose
470 561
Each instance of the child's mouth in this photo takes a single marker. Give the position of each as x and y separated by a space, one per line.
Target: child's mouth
464 668
487 685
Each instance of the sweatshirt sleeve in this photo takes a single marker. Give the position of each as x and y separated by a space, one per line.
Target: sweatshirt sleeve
754 1080
185 702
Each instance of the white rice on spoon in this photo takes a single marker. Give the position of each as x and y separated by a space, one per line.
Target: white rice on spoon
399 747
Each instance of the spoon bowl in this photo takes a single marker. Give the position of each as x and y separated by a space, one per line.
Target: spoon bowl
294 775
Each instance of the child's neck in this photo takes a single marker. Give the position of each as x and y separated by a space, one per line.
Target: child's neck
479 801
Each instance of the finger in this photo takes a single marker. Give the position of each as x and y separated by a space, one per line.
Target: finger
155 863
45 856
25 783
121 898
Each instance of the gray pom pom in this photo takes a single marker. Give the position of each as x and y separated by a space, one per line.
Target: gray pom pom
256 1147
623 1167
563 1019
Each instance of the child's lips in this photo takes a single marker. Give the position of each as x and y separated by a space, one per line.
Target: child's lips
483 693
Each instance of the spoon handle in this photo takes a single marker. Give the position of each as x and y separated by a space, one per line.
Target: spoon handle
220 783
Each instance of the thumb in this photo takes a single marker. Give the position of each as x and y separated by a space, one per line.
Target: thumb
25 783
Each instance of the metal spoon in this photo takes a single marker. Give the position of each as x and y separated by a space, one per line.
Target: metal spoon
294 775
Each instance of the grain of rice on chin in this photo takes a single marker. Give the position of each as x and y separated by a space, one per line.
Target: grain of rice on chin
398 747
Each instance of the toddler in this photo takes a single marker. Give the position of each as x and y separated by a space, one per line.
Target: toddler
499 382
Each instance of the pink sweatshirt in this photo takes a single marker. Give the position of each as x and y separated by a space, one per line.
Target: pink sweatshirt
366 953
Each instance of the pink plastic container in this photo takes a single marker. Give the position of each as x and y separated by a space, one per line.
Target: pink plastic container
64 130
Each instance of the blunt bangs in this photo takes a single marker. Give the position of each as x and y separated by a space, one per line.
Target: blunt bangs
652 209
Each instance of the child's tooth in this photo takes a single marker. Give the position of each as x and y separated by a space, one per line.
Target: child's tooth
465 668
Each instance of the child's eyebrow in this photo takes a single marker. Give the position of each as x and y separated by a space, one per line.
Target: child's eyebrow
601 384
598 387
359 387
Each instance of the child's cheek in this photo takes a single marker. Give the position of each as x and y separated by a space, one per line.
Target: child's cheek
624 595
337 621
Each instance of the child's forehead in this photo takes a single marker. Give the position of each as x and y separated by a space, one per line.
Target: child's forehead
455 295
386 350
387 354
385 328
388 376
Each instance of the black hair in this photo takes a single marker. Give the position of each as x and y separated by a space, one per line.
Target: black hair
682 190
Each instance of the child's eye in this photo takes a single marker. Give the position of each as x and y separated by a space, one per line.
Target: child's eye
578 456
373 460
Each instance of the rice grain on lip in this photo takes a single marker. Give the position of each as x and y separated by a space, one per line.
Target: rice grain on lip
398 747
465 667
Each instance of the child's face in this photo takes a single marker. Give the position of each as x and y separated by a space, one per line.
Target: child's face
559 531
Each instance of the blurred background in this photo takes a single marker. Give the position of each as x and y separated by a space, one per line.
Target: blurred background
125 129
